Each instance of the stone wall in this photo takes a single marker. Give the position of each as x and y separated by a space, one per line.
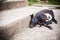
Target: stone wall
4 5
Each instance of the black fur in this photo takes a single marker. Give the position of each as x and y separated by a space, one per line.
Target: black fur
40 19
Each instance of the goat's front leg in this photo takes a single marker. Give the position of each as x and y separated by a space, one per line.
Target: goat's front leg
40 24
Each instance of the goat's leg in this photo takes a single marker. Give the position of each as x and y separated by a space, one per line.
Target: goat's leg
53 19
40 24
46 25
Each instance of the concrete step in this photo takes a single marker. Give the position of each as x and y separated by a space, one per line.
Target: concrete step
14 21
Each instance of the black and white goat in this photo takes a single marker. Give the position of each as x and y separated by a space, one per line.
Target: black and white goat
43 18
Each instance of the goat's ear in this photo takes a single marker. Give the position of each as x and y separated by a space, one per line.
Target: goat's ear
31 16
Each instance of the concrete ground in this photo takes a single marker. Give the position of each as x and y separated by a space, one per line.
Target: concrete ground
41 33
36 33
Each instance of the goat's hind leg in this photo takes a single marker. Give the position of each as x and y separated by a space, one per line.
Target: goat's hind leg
55 21
53 18
48 26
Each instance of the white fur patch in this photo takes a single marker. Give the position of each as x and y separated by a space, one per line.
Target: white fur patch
49 17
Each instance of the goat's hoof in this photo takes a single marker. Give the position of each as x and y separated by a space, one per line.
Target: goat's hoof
40 26
50 27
